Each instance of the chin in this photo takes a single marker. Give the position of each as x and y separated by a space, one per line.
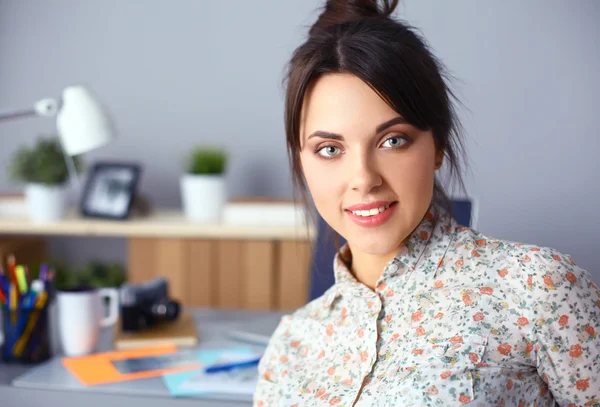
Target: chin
376 244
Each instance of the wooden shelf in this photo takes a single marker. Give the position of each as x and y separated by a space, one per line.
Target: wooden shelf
161 223
230 265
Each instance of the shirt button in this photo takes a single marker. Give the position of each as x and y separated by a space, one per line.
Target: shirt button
441 350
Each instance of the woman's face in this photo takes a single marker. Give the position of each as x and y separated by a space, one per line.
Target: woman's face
369 172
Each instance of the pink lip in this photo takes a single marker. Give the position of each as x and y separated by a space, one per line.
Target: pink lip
375 220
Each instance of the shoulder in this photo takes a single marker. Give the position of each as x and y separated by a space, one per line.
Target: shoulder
543 267
477 249
556 278
474 243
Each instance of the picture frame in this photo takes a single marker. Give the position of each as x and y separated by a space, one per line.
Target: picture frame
109 190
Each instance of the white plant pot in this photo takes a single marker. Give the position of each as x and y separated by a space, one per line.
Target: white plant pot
203 197
45 203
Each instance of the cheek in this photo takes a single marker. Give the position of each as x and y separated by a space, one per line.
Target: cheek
417 176
322 180
412 177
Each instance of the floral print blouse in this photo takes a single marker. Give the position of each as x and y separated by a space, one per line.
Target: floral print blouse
456 318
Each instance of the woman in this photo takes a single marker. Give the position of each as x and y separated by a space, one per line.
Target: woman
423 312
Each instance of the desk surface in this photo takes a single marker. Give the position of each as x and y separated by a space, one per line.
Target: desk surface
212 325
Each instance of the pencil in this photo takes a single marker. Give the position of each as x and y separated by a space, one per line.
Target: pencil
3 291
43 272
22 341
11 268
13 304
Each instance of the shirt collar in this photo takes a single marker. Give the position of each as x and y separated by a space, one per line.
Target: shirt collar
433 234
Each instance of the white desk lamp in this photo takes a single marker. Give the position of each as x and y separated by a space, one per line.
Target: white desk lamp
83 123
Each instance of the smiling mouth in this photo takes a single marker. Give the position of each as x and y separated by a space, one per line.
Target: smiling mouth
372 217
366 213
371 212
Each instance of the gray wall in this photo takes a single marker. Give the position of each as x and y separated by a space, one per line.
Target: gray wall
179 73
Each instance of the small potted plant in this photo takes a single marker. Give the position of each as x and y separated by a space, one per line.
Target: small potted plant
44 171
203 190
95 274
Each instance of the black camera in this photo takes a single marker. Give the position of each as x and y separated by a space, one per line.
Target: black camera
146 305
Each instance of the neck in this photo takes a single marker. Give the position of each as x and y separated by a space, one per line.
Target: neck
368 268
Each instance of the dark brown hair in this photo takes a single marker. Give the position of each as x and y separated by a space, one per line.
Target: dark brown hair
359 37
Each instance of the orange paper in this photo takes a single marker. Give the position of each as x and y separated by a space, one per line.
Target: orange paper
99 368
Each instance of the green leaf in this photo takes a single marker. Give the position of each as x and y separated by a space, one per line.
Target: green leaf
207 161
44 163
95 274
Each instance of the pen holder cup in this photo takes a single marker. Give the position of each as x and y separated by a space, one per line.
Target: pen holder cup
26 335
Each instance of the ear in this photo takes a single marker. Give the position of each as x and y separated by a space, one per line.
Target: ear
439 160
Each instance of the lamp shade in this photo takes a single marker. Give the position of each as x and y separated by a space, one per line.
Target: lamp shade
83 123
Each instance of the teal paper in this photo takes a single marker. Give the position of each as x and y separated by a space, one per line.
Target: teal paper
174 381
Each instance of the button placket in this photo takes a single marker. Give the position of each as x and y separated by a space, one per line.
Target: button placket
441 352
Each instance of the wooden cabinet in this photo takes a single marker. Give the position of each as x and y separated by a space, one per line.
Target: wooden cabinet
221 266
226 273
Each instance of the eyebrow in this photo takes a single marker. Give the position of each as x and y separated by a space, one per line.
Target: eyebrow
379 129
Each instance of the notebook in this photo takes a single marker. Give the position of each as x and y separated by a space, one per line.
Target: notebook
181 332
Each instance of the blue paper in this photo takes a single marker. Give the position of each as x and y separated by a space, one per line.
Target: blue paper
196 382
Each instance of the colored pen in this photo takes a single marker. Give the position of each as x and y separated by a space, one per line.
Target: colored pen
22 341
19 328
11 261
21 279
3 289
13 303
43 272
36 288
40 301
230 366
13 297
50 282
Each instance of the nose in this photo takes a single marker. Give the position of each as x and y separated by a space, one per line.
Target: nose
364 176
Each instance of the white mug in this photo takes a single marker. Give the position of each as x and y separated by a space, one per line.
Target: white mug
81 317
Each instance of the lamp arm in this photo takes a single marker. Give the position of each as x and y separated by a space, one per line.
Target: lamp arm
17 114
44 107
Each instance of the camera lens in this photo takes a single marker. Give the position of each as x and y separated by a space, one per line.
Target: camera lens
165 310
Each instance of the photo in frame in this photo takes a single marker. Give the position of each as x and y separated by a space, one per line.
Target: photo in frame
110 190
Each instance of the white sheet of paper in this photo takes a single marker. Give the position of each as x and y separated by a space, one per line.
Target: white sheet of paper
238 381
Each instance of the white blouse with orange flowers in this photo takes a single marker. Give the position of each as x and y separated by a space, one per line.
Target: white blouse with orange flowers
456 318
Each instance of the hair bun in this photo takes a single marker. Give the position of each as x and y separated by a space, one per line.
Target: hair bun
345 11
